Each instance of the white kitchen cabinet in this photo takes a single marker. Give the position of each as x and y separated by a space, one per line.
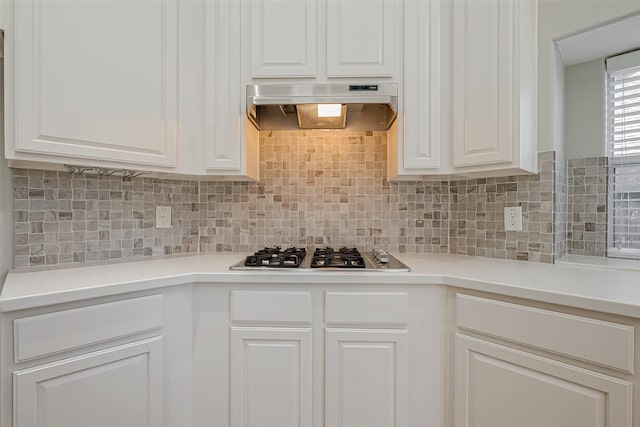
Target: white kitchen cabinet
414 145
367 378
119 386
499 386
536 366
271 370
283 38
111 361
230 141
320 40
333 355
367 370
93 81
361 38
494 86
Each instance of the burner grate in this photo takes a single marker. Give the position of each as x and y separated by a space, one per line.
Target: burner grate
276 257
343 258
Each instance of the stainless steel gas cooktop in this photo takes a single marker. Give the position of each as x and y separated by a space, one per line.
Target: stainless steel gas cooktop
322 259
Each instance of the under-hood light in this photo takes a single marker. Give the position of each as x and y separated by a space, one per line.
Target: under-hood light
309 117
329 110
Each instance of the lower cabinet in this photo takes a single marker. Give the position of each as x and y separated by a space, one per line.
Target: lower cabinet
338 356
497 386
119 386
517 380
367 378
271 370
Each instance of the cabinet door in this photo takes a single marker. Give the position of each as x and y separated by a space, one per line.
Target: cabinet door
497 386
96 80
367 378
283 38
360 38
122 386
422 83
271 377
230 140
483 97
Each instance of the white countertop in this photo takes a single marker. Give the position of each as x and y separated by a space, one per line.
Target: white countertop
590 287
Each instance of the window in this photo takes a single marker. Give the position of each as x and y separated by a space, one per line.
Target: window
623 150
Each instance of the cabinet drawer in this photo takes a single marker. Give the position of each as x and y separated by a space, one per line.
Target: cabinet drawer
282 307
604 343
364 308
52 333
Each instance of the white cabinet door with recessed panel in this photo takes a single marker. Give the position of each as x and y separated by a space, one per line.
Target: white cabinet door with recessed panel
230 140
494 84
417 150
93 80
367 378
271 370
120 386
283 38
361 37
498 386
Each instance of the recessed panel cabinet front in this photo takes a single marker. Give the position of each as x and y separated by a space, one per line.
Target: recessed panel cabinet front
496 386
483 82
360 38
95 80
494 84
283 38
271 377
367 378
120 386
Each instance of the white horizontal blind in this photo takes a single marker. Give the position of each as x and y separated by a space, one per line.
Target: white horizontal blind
623 147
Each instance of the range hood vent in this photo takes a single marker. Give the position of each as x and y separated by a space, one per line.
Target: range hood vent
359 107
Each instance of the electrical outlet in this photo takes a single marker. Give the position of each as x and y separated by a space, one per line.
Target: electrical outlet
513 219
163 216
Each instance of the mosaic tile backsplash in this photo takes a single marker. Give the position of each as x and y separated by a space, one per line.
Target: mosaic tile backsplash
587 206
324 188
317 188
561 215
62 218
477 215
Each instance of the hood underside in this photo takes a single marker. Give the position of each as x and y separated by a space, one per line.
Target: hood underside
330 106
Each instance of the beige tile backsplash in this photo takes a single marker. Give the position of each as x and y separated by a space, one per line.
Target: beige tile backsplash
324 188
587 206
477 215
317 188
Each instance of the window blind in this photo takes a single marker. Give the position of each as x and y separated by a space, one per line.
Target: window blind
623 150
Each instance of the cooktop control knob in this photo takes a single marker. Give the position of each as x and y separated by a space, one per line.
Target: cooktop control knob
381 256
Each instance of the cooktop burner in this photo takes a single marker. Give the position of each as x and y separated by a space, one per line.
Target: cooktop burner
276 257
342 258
323 259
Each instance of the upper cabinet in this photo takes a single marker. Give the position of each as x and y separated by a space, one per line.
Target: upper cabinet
494 86
230 144
95 80
161 85
283 38
360 38
321 40
414 144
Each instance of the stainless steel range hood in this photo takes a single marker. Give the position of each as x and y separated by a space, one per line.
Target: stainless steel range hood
289 107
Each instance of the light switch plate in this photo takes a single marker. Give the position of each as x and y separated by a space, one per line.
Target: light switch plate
163 216
513 219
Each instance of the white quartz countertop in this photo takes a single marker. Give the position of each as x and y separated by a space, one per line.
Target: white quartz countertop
590 287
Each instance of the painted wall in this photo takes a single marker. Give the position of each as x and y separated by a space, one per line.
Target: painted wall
585 110
558 19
